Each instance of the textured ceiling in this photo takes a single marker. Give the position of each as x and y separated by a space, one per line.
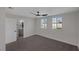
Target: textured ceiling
26 11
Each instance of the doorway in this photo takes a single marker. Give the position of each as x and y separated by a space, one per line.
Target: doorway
20 29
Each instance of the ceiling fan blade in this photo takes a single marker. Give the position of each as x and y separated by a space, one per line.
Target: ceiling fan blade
38 14
10 7
44 14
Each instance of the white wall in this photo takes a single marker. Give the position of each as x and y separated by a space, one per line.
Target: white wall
10 30
78 30
77 26
28 27
67 34
10 25
2 29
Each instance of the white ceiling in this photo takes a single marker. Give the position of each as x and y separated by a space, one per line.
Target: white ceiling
26 11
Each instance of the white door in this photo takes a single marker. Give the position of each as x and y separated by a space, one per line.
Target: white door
11 27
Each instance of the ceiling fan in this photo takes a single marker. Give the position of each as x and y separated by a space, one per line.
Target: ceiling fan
39 14
10 7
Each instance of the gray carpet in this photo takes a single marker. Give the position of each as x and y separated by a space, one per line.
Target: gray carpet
39 43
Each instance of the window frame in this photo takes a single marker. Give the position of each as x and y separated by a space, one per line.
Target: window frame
57 20
44 23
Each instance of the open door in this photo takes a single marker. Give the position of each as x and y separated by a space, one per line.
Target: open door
14 30
20 29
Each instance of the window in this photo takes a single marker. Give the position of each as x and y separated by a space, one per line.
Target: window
44 23
57 22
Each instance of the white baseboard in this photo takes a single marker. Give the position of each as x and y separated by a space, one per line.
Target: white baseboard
28 35
58 40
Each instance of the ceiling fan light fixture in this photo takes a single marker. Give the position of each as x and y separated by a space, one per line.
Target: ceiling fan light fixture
39 14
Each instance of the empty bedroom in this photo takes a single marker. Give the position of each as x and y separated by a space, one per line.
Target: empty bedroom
40 29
